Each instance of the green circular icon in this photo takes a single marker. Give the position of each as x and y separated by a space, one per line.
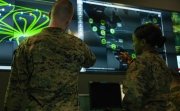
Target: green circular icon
133 56
91 21
113 46
103 41
94 28
112 31
103 32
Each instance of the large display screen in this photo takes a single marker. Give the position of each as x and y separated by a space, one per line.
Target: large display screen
176 30
106 27
20 19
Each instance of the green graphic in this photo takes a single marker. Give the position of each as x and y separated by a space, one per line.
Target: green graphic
91 21
94 28
103 22
103 41
113 46
176 29
147 22
20 22
133 56
103 32
155 20
112 31
176 22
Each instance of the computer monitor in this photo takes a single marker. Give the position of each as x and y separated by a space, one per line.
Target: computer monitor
104 95
107 28
20 19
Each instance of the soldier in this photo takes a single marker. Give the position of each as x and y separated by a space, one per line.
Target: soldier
174 104
45 68
148 78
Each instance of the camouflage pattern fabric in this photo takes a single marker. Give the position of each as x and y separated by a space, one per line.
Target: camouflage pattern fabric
45 71
174 98
147 83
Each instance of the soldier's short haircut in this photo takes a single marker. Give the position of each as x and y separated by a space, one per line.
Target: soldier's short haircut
62 9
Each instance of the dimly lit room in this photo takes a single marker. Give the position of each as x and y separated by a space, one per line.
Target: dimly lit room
102 62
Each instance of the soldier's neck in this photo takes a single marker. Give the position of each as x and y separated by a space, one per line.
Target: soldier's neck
58 25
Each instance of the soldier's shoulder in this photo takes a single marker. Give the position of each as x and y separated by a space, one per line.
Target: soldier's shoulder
34 38
73 37
28 40
70 35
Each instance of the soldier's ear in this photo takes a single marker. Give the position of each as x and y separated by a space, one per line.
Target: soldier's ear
143 41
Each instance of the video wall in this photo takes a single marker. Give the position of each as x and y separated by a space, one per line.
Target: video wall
20 19
176 30
16 23
106 27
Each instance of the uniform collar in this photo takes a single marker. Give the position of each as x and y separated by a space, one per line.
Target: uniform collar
53 30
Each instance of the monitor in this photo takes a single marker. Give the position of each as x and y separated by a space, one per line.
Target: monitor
176 30
21 19
107 28
104 95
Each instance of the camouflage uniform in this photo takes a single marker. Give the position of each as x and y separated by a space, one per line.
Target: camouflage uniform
174 104
45 72
147 83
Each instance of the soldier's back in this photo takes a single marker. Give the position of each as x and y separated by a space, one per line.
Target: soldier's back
51 63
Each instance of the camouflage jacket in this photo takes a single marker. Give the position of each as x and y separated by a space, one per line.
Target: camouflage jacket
147 83
45 71
174 99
